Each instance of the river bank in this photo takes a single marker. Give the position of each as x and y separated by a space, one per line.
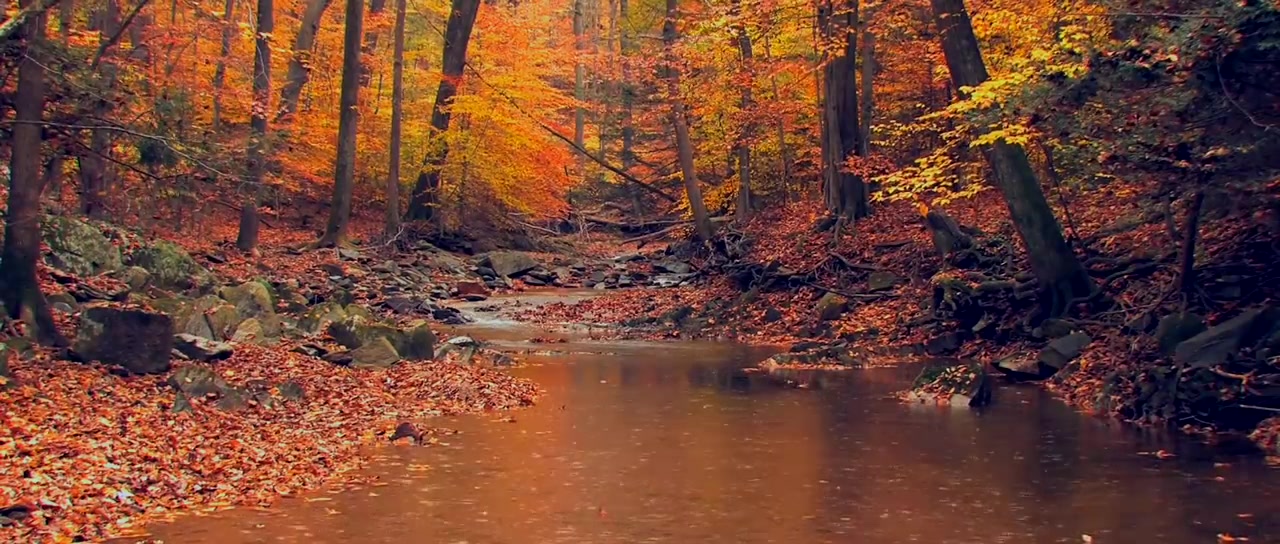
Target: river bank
953 284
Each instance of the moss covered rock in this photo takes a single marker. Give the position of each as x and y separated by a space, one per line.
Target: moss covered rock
251 299
318 318
78 247
172 268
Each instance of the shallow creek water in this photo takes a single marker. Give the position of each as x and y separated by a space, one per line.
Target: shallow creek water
670 442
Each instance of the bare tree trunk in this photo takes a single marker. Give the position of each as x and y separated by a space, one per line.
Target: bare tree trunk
684 144
370 40
1187 270
846 194
747 105
579 72
93 165
344 169
66 12
627 154
462 18
220 73
247 240
780 129
866 76
19 287
300 61
397 115
1062 278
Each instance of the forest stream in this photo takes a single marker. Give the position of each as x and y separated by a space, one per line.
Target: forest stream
673 442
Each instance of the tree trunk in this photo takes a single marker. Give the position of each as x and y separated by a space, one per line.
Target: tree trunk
846 194
66 12
397 116
866 76
627 154
19 287
1187 270
780 129
93 165
300 61
579 72
684 144
747 105
370 40
1062 278
344 169
220 73
247 240
462 18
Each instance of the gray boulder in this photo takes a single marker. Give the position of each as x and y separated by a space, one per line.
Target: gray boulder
1177 328
196 381
419 342
136 340
1221 342
172 268
1063 350
959 385
831 306
881 280
78 247
378 353
135 277
673 266
509 263
201 349
251 299
319 317
356 331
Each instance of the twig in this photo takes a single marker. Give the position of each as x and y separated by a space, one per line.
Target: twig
845 294
1217 63
1263 408
115 38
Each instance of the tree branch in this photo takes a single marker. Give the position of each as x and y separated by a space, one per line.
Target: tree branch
12 25
115 38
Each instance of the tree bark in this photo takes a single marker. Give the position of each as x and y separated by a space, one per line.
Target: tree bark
747 104
866 77
344 169
684 144
19 286
397 116
93 165
247 240
300 61
1062 278
220 73
628 91
462 18
846 194
66 12
370 40
1187 270
579 72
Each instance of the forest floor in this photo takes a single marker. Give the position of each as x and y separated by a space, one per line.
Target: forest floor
90 453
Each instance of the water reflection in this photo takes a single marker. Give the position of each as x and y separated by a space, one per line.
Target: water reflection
672 444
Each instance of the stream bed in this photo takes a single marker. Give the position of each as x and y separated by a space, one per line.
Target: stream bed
671 442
